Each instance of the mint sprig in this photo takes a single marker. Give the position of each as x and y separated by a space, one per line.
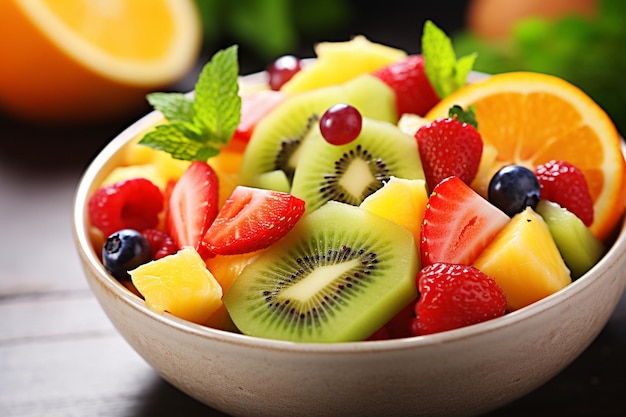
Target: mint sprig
198 127
444 71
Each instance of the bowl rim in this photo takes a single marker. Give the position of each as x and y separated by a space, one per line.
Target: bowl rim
86 185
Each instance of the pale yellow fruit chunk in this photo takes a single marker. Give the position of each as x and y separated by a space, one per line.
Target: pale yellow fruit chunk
410 123
139 161
524 261
402 201
226 167
169 168
180 284
147 171
226 268
486 170
338 62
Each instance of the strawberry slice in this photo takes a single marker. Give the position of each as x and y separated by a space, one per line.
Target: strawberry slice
449 147
254 106
458 224
407 78
193 206
252 219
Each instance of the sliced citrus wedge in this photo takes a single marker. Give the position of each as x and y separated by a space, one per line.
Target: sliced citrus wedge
77 58
531 118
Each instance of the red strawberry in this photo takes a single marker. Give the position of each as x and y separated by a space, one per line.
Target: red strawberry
252 219
565 184
449 147
254 106
454 296
161 243
193 206
128 204
414 92
458 224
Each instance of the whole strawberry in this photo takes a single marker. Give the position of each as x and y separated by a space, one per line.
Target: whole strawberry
414 92
453 296
449 147
565 184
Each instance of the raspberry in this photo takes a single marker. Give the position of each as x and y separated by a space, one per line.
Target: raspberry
128 204
454 296
565 184
161 243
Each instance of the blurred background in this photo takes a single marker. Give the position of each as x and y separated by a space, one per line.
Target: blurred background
579 40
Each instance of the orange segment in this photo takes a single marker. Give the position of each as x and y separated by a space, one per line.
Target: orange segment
531 118
82 59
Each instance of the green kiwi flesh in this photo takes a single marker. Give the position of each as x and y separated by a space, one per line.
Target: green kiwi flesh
349 173
579 248
339 275
276 140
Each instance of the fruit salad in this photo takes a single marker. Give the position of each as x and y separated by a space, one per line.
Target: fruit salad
366 194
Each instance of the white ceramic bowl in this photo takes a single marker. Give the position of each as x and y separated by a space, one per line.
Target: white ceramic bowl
456 373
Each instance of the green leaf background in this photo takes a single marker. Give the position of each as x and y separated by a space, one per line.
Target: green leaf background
269 28
585 52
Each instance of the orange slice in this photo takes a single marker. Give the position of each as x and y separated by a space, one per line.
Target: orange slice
531 118
83 59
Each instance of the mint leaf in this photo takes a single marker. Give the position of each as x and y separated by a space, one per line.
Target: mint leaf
169 138
445 72
174 106
197 128
217 105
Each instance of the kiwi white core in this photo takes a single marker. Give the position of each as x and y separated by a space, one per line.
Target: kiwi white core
317 280
357 177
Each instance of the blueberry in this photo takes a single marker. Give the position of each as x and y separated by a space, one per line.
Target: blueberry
513 188
125 250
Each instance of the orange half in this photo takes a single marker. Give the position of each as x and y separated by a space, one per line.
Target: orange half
531 118
74 59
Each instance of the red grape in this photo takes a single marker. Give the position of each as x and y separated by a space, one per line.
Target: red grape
281 71
341 124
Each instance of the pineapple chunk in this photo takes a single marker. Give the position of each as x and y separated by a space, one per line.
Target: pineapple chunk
338 62
171 169
226 166
402 201
180 284
226 268
524 261
157 166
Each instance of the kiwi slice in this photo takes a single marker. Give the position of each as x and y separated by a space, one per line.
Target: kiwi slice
349 173
276 140
579 248
339 275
